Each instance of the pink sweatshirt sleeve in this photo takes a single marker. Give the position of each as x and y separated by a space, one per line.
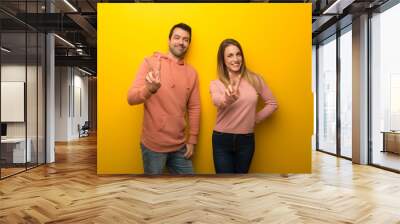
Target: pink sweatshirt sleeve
138 92
270 103
194 113
218 96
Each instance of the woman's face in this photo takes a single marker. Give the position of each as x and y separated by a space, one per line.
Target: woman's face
233 58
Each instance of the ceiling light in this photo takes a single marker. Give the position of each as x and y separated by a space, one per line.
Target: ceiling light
337 7
5 50
65 41
70 5
84 71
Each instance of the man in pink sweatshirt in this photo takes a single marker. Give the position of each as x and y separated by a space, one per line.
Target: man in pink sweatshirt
169 90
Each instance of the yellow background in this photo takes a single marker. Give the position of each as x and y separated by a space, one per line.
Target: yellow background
276 40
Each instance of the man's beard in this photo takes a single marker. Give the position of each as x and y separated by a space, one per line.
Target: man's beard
177 53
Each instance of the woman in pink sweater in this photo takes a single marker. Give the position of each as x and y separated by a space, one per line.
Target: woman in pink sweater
235 94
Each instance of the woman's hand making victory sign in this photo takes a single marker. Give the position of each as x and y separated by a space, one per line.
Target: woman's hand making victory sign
232 91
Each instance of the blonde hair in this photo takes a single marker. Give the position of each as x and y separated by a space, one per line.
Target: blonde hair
222 71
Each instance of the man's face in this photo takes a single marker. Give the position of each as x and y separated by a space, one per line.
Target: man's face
179 42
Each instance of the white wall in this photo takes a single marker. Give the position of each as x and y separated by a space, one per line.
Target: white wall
314 91
33 127
16 73
81 102
71 94
13 73
62 78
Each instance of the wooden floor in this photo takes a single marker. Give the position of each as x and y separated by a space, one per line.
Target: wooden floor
5 172
69 191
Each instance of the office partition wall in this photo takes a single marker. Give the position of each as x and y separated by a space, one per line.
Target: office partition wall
22 79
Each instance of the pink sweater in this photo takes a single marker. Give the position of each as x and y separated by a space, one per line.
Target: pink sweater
240 116
164 120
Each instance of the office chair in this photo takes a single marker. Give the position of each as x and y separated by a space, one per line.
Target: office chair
84 130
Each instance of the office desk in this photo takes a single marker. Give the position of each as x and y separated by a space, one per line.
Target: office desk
391 141
13 150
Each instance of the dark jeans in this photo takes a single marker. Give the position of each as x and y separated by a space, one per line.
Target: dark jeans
155 162
232 152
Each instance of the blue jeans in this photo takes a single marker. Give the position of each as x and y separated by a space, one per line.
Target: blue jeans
155 162
232 152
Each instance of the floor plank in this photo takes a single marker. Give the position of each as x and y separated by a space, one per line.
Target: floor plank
69 191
